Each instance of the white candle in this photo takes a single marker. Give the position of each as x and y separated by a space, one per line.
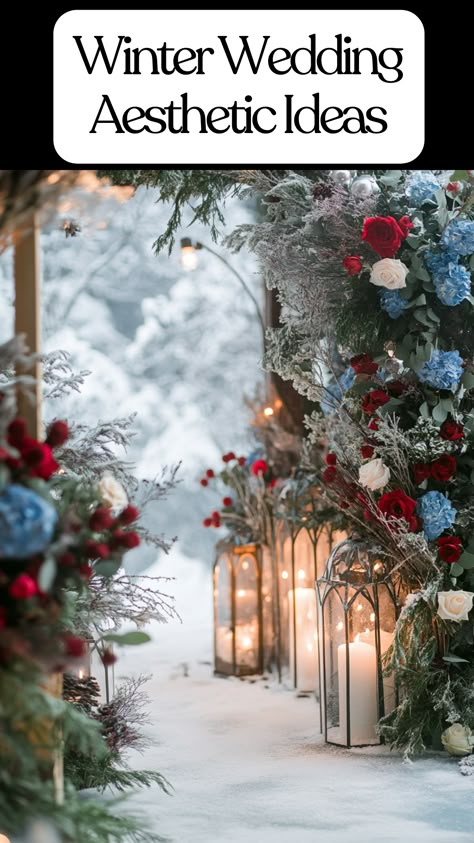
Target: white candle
306 649
362 692
386 641
246 641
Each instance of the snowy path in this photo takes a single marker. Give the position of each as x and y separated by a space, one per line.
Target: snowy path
248 764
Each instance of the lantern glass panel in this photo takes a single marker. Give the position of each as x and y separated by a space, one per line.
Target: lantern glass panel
285 580
224 636
267 608
358 609
247 632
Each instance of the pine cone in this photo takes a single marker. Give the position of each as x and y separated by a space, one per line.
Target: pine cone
322 190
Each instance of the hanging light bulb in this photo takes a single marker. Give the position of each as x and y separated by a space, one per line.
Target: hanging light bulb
189 260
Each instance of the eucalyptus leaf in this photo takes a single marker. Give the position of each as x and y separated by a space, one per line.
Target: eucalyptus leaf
460 175
128 639
466 560
4 477
456 569
424 410
467 380
47 574
439 413
455 660
107 568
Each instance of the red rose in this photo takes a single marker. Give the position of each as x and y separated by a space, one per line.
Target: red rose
100 520
373 424
96 550
272 483
453 186
421 472
397 504
204 482
67 559
449 548
363 364
443 468
414 524
451 431
352 264
373 400
108 657
58 434
86 571
405 224
259 467
23 587
3 617
331 459
16 432
209 473
75 646
129 514
227 501
241 460
396 387
367 451
383 234
329 474
38 457
207 522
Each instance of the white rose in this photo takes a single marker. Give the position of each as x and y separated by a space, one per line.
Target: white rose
390 273
454 605
112 493
458 739
374 474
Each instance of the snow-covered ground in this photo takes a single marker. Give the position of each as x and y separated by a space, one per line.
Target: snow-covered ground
248 764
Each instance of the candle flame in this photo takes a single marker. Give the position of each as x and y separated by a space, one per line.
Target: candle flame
339 626
81 676
247 643
359 607
301 574
284 575
268 411
245 566
310 648
372 617
357 638
241 592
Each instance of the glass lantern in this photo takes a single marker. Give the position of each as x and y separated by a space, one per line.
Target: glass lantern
239 596
92 665
303 547
358 608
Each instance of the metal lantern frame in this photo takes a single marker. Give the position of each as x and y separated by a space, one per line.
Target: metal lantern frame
354 572
234 557
301 516
104 675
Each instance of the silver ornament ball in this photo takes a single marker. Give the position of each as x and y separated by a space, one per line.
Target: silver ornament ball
364 186
341 176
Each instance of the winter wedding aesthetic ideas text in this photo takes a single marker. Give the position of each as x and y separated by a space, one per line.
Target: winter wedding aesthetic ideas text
215 87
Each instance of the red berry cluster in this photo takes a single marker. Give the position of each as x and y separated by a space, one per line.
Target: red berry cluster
30 457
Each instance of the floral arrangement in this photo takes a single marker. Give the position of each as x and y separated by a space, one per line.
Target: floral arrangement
380 268
247 486
56 533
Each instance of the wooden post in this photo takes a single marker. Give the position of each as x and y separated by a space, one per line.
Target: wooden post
28 315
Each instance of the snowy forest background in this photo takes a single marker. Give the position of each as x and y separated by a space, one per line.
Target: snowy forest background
180 349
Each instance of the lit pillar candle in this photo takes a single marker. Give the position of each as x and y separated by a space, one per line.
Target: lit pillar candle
246 641
386 641
362 691
306 649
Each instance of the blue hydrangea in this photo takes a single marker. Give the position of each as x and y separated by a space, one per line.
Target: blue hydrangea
443 370
438 262
420 187
334 392
458 238
27 522
437 512
393 303
454 285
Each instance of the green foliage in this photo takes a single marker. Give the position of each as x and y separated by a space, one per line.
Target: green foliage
204 191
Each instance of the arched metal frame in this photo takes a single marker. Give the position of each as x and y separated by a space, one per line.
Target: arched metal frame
92 665
238 614
302 548
358 609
